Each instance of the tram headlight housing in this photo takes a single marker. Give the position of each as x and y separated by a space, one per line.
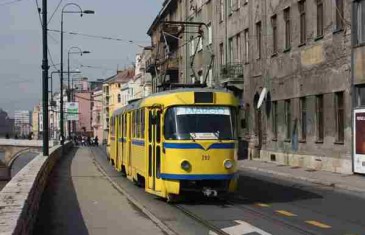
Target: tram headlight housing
228 164
185 165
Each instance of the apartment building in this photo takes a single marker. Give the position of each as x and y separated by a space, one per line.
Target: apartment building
295 53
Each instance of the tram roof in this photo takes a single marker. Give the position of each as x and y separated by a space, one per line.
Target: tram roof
135 104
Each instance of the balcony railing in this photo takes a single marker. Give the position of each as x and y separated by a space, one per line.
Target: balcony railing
231 72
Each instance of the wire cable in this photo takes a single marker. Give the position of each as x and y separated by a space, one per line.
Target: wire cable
10 2
54 12
101 37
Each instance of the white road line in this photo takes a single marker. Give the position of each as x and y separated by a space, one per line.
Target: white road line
241 229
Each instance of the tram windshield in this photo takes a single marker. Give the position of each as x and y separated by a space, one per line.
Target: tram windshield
200 123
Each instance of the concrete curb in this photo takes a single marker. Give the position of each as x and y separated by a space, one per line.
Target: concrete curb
149 214
305 179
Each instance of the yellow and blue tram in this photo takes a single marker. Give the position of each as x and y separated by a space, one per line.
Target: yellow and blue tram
177 141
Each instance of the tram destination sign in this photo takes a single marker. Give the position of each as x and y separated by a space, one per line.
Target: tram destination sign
72 111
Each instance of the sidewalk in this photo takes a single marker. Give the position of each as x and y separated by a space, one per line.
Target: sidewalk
351 183
80 200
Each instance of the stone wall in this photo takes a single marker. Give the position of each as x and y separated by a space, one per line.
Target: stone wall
20 199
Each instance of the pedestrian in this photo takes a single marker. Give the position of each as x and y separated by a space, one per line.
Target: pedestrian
88 141
96 141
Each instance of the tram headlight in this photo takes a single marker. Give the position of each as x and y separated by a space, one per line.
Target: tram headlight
185 165
228 164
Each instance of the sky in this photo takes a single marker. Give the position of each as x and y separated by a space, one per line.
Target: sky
21 43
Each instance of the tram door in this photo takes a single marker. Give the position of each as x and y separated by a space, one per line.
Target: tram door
154 149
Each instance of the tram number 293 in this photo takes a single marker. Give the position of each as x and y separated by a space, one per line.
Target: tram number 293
205 157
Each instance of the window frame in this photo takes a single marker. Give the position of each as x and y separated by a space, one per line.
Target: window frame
274 26
287 26
319 118
287 108
303 118
274 120
259 39
340 117
339 5
320 18
302 22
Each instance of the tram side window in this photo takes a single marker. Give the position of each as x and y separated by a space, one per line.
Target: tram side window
142 123
120 124
133 124
112 125
125 125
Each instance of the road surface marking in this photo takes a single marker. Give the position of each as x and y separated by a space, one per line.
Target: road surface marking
317 224
286 213
262 205
242 228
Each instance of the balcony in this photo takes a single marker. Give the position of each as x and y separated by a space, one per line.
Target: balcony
231 73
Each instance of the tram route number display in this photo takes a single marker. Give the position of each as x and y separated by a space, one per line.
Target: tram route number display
72 111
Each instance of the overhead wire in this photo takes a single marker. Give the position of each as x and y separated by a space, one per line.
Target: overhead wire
54 12
10 2
134 42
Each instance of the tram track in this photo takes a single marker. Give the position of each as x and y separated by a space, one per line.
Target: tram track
201 220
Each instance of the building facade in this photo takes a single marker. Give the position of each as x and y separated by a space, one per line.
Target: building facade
6 124
295 54
23 124
97 113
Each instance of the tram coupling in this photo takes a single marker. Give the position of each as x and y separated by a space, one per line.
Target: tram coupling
208 192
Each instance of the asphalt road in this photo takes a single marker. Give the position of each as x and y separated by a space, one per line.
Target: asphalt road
263 205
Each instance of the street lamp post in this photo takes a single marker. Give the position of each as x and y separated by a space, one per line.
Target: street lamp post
51 77
80 52
81 12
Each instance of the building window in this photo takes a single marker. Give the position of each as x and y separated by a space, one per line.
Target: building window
302 22
303 118
319 18
319 118
360 96
274 34
247 45
210 34
287 119
230 5
238 48
119 98
221 12
258 38
359 16
274 120
340 119
339 15
221 54
230 50
287 28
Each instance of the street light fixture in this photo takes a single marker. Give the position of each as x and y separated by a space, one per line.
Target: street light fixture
69 99
81 12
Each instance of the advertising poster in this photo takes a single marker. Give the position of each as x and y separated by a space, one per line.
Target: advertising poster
359 141
72 111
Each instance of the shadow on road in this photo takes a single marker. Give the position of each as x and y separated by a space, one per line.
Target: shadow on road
59 211
255 189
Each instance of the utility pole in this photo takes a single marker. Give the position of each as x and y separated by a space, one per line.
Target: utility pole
45 78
